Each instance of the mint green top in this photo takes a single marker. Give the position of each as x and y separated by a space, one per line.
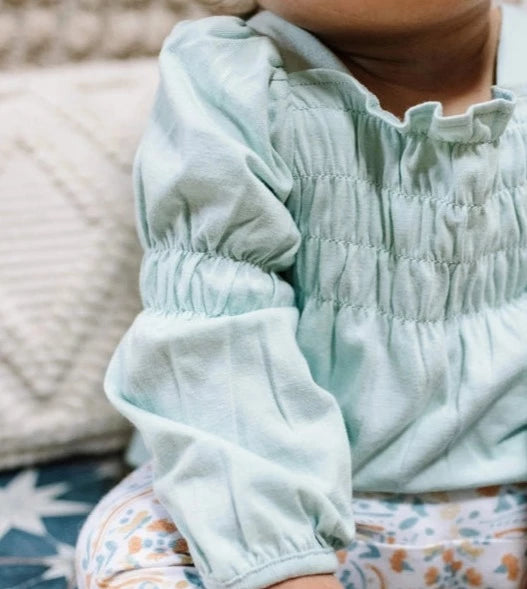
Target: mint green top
332 297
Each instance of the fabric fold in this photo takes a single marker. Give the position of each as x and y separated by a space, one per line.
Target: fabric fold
210 371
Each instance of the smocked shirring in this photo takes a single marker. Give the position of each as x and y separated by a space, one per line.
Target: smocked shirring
181 281
331 90
433 227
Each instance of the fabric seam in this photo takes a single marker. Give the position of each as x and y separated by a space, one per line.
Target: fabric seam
381 122
296 556
211 255
407 196
429 260
404 318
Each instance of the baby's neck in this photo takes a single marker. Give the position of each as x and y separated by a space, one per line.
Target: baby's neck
453 63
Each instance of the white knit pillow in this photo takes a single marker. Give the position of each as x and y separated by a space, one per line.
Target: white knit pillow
69 254
47 32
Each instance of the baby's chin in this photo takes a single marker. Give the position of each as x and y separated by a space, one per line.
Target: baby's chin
374 18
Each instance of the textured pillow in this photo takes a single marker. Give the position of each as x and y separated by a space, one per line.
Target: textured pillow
47 32
69 254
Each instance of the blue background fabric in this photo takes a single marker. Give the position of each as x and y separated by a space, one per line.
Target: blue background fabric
42 509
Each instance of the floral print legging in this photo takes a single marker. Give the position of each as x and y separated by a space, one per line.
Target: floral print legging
462 539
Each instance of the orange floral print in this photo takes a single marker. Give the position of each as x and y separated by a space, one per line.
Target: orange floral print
162 525
471 550
490 491
397 560
510 562
450 511
448 557
436 497
431 576
134 544
432 551
440 554
473 577
180 545
341 556
136 521
156 556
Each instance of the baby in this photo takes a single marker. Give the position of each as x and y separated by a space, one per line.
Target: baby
330 369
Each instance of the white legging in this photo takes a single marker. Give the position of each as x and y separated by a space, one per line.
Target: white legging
462 539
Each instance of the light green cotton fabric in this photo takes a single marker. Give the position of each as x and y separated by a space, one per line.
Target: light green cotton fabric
320 281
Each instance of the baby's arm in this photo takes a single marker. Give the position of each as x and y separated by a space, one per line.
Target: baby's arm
311 582
251 457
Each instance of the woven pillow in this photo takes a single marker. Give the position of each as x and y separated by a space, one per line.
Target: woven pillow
69 253
47 32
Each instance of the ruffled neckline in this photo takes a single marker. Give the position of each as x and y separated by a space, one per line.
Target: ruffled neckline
482 122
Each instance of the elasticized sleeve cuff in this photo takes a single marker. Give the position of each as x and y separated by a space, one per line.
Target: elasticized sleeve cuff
311 562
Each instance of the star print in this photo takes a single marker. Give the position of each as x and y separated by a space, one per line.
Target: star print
23 504
61 564
110 469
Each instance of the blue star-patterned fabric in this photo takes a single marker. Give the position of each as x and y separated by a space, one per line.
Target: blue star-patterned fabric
42 509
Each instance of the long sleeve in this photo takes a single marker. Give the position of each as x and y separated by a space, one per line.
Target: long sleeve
251 457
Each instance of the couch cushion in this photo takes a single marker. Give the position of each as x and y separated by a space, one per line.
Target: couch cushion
69 254
51 32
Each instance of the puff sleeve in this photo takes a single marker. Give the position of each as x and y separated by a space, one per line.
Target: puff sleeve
250 456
